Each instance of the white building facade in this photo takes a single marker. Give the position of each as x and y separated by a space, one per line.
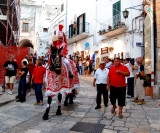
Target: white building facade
97 28
34 21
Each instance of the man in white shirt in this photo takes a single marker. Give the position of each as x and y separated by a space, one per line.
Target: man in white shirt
130 79
108 63
100 79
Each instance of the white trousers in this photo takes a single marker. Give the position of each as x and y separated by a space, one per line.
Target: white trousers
139 91
65 60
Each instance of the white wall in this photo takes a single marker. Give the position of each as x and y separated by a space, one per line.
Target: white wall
126 42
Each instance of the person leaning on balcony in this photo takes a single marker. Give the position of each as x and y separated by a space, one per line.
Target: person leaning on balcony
74 28
139 92
117 85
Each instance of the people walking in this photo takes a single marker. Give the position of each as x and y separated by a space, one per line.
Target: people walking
100 79
11 68
139 92
38 74
80 66
130 79
31 67
108 62
117 85
22 83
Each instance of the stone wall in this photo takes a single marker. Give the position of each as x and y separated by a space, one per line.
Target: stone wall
147 44
158 41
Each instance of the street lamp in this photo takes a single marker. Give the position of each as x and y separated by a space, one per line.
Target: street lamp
125 13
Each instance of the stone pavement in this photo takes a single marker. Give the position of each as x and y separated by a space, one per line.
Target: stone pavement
27 118
6 98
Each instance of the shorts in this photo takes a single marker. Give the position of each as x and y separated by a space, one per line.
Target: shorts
118 93
10 79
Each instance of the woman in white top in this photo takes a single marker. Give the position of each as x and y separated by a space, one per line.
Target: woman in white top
130 79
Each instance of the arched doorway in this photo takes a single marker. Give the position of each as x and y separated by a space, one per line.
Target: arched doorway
26 43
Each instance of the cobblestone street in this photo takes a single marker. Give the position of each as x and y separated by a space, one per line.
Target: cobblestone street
27 118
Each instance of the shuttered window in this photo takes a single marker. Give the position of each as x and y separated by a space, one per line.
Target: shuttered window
81 23
25 27
116 12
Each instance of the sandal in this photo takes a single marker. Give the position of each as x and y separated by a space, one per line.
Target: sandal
113 110
120 115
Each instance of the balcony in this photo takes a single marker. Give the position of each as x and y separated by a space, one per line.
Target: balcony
83 33
118 27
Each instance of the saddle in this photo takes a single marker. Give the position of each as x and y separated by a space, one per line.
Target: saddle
55 60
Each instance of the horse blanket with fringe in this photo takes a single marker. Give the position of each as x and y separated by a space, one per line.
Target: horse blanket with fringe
62 83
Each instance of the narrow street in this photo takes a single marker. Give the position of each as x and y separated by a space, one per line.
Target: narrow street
27 118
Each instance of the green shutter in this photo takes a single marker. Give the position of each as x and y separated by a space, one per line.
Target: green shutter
71 30
84 22
116 12
78 25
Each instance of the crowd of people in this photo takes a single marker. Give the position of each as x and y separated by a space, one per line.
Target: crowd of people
84 66
123 78
31 76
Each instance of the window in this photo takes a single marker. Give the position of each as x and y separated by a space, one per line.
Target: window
62 7
45 29
116 13
25 27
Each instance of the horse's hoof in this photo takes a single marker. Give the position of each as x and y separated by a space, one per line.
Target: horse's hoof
65 103
58 112
45 117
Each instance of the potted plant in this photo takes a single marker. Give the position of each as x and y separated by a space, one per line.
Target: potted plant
100 32
103 31
115 26
109 27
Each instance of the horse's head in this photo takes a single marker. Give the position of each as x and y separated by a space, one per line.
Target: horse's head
55 60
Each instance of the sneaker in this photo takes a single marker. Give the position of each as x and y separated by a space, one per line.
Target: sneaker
36 103
135 100
10 92
28 94
141 102
41 103
128 96
98 107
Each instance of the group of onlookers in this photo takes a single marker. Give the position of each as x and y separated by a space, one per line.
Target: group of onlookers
123 79
84 66
31 76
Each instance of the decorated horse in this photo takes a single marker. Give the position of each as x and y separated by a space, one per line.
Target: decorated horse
62 76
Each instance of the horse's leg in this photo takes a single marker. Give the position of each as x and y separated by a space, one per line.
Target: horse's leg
71 98
59 104
45 116
66 100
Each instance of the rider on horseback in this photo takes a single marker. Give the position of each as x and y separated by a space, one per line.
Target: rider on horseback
62 43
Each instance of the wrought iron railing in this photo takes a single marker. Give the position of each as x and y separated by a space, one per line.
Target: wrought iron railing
82 29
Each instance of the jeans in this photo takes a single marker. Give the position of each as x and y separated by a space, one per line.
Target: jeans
130 86
38 92
22 90
80 70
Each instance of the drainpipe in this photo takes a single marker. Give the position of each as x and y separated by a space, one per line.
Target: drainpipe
66 16
152 50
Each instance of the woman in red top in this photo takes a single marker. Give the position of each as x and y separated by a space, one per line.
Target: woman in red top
37 76
117 85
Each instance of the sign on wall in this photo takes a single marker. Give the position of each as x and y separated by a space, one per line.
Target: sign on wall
87 44
104 50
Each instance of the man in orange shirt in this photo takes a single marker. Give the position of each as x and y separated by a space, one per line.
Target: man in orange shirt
38 74
117 85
